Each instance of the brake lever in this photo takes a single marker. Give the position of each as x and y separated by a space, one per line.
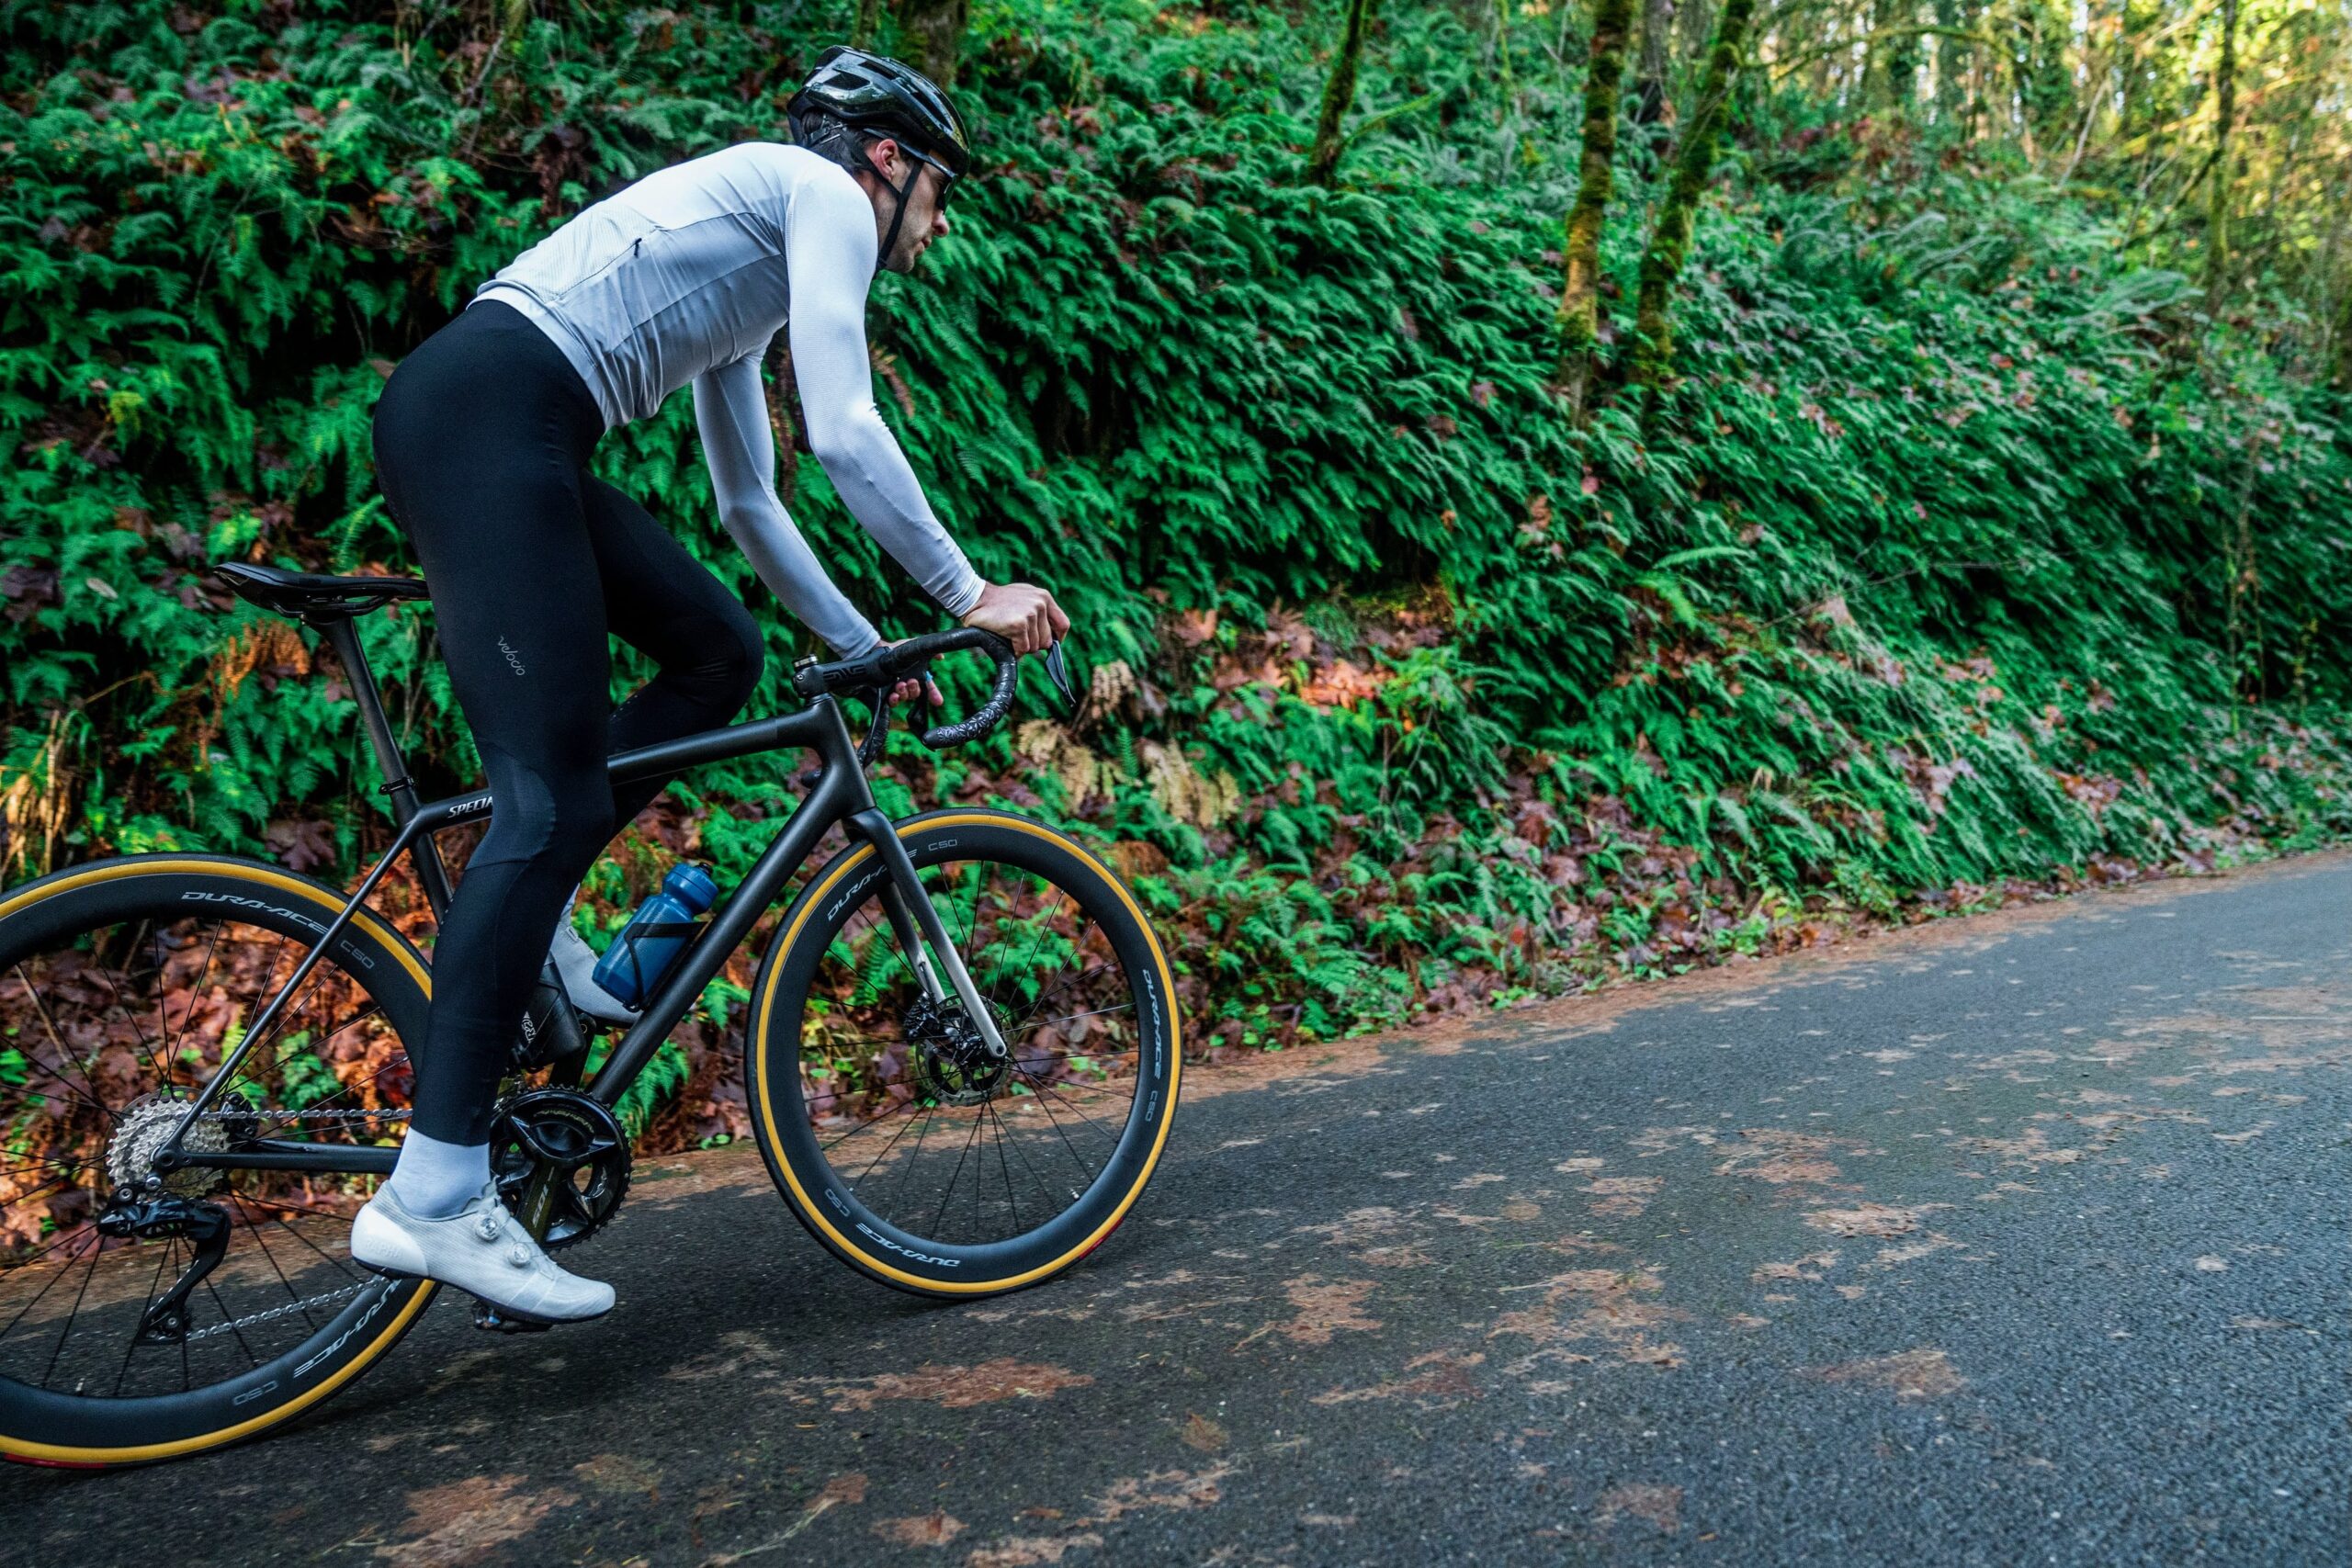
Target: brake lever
1057 671
870 751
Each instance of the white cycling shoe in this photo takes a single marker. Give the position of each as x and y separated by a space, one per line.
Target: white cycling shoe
576 961
481 1248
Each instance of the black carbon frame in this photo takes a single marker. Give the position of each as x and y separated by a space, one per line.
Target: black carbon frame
839 794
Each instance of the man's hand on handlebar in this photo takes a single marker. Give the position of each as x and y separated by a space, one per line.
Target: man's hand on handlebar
1022 613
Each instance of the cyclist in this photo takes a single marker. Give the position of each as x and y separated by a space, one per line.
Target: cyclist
483 442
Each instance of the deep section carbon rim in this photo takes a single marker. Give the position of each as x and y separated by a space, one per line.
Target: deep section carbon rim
140 1306
917 1148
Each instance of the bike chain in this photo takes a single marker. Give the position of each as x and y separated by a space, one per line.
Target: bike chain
234 1323
251 1115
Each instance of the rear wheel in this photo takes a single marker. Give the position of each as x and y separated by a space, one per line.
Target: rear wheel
901 1143
148 1313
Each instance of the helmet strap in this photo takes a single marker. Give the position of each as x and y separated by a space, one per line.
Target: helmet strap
899 216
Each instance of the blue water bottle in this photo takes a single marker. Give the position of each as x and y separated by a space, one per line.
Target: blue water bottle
633 967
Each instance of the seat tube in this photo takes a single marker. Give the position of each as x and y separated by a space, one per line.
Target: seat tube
342 636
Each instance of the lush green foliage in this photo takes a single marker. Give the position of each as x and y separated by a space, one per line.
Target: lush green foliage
1961 554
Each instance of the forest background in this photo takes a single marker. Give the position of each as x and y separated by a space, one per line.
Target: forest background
1547 493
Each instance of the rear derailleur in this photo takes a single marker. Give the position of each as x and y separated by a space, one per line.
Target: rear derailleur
205 1226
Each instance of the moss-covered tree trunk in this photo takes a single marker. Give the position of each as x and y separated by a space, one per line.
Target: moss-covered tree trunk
1670 240
1580 315
1953 56
869 17
931 34
1694 23
2226 103
1893 72
1339 93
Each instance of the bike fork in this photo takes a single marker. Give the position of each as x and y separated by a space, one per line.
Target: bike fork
916 920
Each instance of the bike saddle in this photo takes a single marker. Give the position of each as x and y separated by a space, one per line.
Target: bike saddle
310 597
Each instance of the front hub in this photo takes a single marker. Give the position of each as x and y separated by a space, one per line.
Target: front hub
953 1063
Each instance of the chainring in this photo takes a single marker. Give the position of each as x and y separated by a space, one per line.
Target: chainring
580 1139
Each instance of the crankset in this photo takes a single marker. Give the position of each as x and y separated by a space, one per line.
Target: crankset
562 1162
204 1227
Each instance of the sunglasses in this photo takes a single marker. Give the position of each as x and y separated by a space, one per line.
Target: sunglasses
947 176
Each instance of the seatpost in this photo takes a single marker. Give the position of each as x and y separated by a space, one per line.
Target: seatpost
342 636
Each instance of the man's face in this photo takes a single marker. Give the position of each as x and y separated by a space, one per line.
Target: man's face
926 217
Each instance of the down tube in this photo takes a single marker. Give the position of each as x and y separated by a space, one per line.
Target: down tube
833 799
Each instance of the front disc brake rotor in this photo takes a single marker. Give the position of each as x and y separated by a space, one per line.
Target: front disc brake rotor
952 1062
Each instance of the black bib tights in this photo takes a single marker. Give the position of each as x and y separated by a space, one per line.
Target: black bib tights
482 440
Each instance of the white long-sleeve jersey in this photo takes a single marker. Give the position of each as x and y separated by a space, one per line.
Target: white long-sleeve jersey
684 278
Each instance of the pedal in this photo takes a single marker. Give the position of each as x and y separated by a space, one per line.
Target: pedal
487 1316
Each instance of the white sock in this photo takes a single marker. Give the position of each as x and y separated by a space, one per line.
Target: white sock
434 1179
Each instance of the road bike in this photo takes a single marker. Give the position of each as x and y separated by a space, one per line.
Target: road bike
961 1054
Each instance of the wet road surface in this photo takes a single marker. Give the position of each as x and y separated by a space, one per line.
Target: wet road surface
2017 1239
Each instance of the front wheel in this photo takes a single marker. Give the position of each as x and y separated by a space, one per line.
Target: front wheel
899 1141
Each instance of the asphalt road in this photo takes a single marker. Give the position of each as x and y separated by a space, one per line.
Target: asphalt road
2020 1239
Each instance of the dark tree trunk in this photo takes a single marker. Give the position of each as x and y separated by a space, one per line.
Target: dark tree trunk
931 32
1670 240
2226 103
1952 61
1338 94
1579 316
1893 56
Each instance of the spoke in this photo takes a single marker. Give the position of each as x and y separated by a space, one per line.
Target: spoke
873 1121
1026 1164
63 1270
262 1240
332 1261
370 1010
42 1165
286 1015
221 1307
254 1004
163 984
64 1239
43 1191
913 1159
1068 1103
1004 1165
1064 1135
162 1075
71 1313
953 1177
1044 996
1098 1012
1044 925
133 1348
877 1160
64 1052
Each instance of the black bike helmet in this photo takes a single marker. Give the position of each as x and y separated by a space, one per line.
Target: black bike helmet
882 97
853 97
